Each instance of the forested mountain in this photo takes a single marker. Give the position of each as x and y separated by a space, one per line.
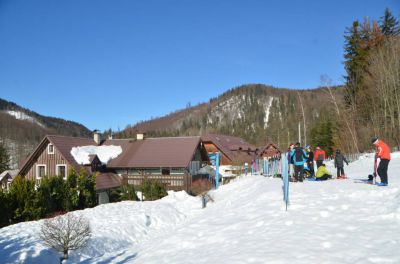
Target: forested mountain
256 112
22 129
333 117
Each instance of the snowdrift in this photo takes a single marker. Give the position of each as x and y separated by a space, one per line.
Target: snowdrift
337 221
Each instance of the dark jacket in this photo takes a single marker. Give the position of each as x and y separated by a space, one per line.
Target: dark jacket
339 160
300 158
310 157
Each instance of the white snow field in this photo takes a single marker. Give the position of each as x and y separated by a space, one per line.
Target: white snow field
337 221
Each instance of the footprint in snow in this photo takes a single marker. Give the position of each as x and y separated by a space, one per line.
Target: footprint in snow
324 214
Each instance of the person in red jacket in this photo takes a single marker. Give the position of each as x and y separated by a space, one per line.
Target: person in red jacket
319 156
383 153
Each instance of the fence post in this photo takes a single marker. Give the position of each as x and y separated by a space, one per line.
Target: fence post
285 178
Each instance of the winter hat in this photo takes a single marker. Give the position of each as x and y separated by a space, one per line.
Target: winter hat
373 140
308 147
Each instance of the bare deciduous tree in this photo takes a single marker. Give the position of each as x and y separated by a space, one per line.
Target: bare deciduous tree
64 233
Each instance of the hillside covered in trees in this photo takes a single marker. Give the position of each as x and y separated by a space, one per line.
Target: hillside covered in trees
334 117
22 129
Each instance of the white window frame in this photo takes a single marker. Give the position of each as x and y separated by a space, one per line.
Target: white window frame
48 149
37 170
62 165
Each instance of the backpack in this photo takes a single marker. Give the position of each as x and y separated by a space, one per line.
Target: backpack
299 154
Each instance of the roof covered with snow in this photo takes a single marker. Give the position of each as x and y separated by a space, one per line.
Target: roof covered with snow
84 154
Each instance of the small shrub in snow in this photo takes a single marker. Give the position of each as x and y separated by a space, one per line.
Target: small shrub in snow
124 193
64 233
153 190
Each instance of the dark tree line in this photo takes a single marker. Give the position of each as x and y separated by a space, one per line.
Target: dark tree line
26 201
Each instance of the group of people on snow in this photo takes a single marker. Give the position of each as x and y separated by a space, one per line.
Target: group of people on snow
299 156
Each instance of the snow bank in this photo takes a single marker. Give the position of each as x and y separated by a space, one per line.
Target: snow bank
336 221
104 153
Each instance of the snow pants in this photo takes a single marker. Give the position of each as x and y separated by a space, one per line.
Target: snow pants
340 171
382 170
310 165
319 163
299 172
324 177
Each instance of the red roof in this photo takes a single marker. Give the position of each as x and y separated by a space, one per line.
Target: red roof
174 152
108 180
64 144
233 147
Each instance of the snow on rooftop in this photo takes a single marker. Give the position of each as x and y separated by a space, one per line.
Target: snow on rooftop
104 153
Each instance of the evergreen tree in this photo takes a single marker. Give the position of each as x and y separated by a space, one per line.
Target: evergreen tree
322 134
51 195
153 190
128 193
389 24
86 189
5 215
355 61
22 200
4 159
71 192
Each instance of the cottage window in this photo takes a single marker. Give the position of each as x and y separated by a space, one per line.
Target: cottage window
61 169
152 171
50 149
177 171
134 172
165 171
40 171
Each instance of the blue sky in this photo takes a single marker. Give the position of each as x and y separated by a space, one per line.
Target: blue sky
107 64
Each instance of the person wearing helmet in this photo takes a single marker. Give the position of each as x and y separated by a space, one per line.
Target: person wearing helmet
340 159
310 160
382 153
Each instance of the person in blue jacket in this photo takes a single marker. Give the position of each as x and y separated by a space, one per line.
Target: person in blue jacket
299 157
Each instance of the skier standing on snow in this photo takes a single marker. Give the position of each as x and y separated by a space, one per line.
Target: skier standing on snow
299 156
339 164
383 153
319 156
310 160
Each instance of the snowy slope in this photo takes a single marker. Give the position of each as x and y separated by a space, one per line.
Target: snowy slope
337 221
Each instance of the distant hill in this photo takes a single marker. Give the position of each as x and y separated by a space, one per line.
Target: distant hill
22 129
256 112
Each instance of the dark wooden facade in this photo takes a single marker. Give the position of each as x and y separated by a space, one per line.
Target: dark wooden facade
269 151
50 160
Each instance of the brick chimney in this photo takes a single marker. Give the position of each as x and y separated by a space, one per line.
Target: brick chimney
96 136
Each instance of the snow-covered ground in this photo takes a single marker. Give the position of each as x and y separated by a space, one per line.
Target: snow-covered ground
337 221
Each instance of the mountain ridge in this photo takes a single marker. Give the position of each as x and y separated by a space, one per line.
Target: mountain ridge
257 112
22 129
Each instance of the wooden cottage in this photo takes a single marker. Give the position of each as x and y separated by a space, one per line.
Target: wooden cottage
6 178
269 151
53 157
173 161
234 150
